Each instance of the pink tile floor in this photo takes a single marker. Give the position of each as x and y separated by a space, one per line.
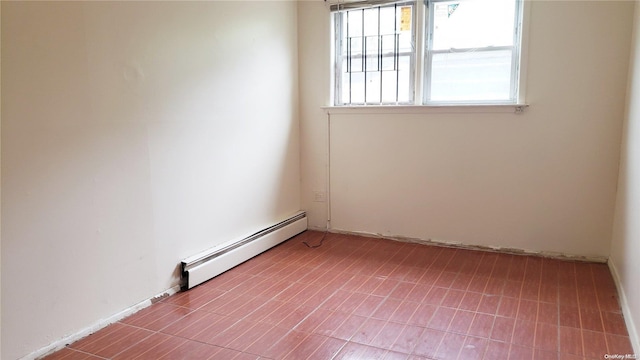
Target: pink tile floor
363 298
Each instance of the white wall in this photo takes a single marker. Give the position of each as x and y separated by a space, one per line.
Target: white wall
544 180
135 134
625 247
315 65
0 185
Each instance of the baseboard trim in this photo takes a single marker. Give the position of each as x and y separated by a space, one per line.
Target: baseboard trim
60 344
213 262
626 310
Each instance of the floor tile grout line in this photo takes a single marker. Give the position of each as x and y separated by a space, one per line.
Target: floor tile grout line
484 290
537 323
239 336
294 347
164 316
87 353
192 340
292 328
236 321
557 310
377 307
433 315
160 332
500 303
604 330
275 296
132 345
467 291
320 346
153 347
184 341
397 336
427 267
224 347
430 269
90 342
575 280
120 337
475 311
214 354
515 319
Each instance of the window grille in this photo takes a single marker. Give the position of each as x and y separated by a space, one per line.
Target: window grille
375 55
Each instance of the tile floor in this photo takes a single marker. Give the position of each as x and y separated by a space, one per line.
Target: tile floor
363 298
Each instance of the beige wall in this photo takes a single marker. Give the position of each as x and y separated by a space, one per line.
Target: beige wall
135 134
625 248
544 180
0 186
314 63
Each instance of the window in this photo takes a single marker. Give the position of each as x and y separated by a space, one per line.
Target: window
470 52
375 55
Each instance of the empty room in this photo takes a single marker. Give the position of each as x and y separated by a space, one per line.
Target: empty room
339 179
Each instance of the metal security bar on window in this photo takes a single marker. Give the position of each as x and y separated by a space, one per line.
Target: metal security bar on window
375 55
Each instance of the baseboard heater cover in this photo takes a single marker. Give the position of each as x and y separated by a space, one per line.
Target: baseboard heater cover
208 264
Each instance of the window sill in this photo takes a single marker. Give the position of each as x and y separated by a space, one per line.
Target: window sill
426 109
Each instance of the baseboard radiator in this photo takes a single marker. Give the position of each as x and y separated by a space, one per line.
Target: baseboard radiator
208 264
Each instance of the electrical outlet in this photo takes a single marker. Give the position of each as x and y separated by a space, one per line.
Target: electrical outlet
319 196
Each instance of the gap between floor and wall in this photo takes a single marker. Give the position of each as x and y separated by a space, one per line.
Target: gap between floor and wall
60 344
459 245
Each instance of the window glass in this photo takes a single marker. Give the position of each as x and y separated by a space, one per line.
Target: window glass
473 24
472 52
481 75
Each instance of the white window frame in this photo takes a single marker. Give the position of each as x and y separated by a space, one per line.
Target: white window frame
421 65
516 66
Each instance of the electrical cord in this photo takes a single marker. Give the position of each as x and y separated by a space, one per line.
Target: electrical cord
317 245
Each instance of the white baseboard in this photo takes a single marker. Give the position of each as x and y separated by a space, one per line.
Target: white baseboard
210 263
60 344
626 310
